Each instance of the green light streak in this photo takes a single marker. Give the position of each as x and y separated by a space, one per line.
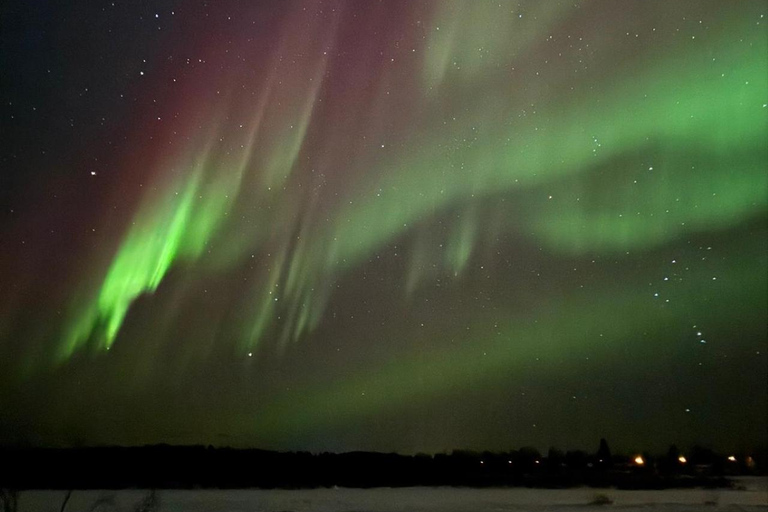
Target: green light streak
177 227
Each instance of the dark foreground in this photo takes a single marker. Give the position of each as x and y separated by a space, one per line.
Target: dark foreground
173 467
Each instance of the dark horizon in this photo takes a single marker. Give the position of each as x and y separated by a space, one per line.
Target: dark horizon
761 451
187 467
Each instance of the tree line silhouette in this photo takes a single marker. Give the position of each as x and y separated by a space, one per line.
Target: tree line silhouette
165 466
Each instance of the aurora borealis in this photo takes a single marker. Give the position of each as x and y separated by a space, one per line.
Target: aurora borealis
398 226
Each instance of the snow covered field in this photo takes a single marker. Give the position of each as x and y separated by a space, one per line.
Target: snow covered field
752 495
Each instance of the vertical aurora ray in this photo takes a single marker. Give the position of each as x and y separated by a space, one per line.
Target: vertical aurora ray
178 226
172 228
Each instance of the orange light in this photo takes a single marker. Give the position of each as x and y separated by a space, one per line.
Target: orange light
732 458
639 460
682 460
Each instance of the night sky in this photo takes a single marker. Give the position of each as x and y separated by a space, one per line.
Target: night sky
395 225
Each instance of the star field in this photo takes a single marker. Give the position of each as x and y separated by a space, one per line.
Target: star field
397 226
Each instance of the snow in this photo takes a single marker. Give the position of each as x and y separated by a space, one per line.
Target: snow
751 494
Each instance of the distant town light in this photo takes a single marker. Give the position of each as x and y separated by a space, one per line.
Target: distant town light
732 458
639 460
536 461
682 460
